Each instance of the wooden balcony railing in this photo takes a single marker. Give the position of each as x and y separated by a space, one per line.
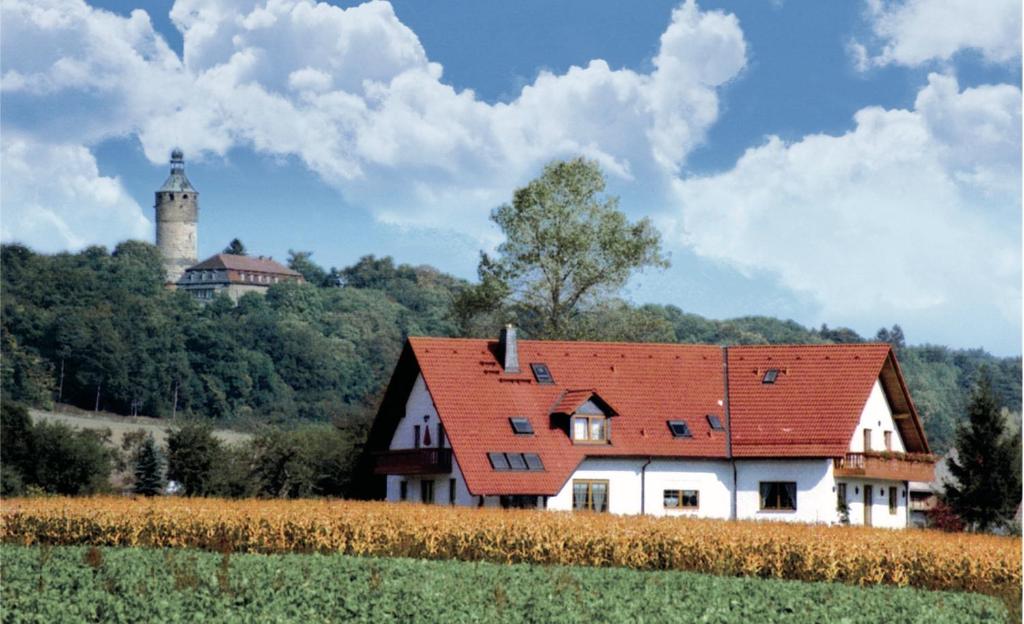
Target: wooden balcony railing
888 466
414 461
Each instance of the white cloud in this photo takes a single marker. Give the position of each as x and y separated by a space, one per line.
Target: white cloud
54 199
911 212
352 94
913 32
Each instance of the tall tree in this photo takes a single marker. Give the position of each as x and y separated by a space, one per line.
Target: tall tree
312 272
986 487
235 248
566 246
149 479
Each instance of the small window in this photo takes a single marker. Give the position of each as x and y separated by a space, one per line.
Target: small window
715 423
427 491
840 495
185 196
589 495
892 501
770 376
415 436
888 440
778 495
403 490
451 491
533 461
542 373
498 461
867 440
516 461
590 428
679 429
682 499
521 426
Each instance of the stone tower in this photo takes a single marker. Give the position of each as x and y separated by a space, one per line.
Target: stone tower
177 216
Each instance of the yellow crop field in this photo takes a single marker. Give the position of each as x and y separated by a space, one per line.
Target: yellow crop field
863 556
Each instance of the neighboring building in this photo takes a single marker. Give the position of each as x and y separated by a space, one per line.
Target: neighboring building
177 217
234 276
748 432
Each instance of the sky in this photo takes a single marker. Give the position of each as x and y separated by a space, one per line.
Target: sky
855 163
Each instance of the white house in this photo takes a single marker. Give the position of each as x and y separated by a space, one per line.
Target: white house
805 433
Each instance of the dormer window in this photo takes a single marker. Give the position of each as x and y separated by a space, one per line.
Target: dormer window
679 429
590 428
770 376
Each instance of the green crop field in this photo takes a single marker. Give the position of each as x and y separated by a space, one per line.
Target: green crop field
85 584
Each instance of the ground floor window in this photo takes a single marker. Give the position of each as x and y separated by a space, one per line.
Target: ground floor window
840 496
892 500
427 491
451 491
590 495
403 490
682 499
518 501
778 495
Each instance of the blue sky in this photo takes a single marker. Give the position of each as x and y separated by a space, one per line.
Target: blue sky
850 163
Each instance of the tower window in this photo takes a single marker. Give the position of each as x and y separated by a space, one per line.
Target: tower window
171 196
185 196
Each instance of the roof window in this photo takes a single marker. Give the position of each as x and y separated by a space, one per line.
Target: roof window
524 462
715 423
770 376
679 429
521 426
542 373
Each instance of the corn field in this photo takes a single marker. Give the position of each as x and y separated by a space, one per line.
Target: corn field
862 556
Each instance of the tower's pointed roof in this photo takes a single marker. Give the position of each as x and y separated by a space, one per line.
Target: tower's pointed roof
177 182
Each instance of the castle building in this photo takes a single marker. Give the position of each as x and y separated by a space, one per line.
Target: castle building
177 217
234 276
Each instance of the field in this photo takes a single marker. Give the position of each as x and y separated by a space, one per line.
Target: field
120 425
78 583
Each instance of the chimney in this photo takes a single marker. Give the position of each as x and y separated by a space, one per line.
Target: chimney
509 349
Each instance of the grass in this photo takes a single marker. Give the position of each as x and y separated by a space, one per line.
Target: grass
120 425
82 583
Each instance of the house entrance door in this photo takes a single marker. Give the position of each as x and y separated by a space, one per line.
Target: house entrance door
868 497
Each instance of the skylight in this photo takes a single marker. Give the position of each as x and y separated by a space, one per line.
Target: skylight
528 462
498 461
542 373
521 426
770 376
679 429
715 423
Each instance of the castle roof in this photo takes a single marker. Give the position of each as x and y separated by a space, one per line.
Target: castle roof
177 182
255 264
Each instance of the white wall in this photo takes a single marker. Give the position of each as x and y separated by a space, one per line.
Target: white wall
710 478
815 499
418 406
880 516
876 416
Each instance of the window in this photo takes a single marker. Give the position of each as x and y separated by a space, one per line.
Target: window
679 429
589 428
892 501
440 435
589 495
778 495
498 461
867 440
715 423
770 376
403 490
542 373
415 436
518 501
840 495
451 491
888 440
515 461
521 426
427 491
682 499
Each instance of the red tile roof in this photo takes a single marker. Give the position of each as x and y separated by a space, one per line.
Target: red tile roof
572 400
810 411
256 264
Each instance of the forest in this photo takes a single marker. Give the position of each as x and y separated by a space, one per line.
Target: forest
97 329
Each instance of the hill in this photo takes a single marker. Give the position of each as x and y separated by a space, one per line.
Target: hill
97 329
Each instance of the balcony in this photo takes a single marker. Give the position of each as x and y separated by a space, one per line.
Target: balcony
888 466
419 461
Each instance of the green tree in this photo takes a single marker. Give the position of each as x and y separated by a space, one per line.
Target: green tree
985 489
193 454
312 272
235 248
566 246
149 479
68 461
